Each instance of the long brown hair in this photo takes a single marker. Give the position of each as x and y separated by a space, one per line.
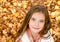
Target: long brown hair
37 8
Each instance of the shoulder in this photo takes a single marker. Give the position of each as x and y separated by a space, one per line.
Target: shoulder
48 37
25 37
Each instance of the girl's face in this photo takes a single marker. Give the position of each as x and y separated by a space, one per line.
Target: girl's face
36 22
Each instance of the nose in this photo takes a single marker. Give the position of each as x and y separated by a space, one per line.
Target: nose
37 24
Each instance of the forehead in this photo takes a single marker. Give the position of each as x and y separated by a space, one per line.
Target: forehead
38 15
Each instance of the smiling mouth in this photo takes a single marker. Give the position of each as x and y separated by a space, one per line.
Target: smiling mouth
35 28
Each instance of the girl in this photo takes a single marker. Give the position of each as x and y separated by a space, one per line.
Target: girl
35 27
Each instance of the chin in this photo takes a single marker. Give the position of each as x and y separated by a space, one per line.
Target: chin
36 31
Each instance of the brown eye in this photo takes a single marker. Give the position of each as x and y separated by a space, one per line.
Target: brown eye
41 20
33 19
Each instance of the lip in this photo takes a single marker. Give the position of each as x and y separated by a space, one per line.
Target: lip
35 28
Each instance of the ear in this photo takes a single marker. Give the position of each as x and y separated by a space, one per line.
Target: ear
48 26
47 35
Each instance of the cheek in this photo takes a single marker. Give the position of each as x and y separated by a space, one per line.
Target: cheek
31 22
41 25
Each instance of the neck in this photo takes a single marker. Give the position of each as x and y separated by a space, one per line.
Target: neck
35 36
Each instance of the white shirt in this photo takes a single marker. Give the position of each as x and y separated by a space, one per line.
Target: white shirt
25 38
